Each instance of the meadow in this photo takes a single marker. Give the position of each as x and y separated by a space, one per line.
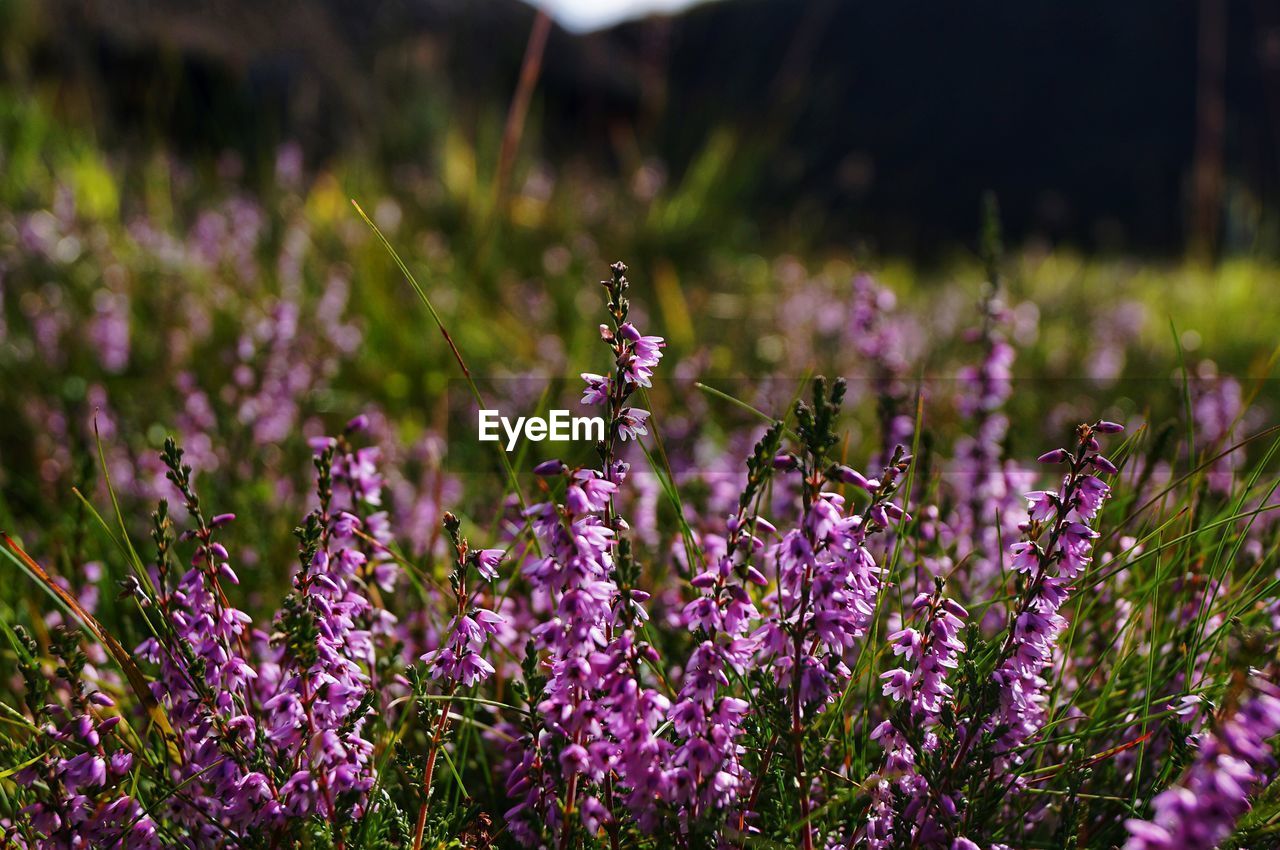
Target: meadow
875 553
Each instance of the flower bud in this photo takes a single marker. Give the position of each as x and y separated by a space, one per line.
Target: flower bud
851 476
549 467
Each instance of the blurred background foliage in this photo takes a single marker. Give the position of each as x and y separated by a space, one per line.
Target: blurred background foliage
746 158
868 125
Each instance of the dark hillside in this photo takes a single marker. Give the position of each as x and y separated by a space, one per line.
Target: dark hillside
881 120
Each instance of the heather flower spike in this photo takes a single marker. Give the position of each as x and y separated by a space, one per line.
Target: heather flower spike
459 660
929 652
828 582
1006 716
1232 761
595 706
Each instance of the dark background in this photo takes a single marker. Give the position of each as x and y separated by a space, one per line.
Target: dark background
1146 127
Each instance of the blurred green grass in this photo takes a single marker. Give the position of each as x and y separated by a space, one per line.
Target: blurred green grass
514 279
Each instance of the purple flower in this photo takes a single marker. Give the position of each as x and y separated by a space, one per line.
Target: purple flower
459 658
1055 456
1057 549
550 468
850 476
984 486
487 561
707 775
211 709
315 699
596 390
927 653
640 355
1232 761
631 423
828 582
594 707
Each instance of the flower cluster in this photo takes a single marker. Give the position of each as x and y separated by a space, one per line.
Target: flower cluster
901 793
459 660
320 693
1056 549
984 485
880 340
600 715
86 766
708 777
206 676
828 583
1232 761
243 703
1005 709
828 580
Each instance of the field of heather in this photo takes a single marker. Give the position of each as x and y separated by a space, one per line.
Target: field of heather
962 552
